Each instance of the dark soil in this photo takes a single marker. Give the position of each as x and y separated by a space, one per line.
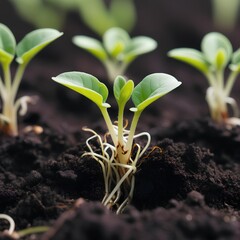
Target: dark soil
187 183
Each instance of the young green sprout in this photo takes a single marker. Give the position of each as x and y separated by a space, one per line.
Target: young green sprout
119 156
212 61
25 50
22 233
117 50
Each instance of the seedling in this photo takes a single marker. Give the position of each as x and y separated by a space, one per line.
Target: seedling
22 233
117 51
25 50
216 55
118 156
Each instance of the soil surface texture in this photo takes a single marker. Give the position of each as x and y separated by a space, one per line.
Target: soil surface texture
187 182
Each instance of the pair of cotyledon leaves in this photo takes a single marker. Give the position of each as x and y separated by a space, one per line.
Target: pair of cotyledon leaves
116 44
147 91
216 53
28 47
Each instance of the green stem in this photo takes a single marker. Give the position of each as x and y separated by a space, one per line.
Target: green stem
109 125
131 134
220 80
211 79
120 124
230 82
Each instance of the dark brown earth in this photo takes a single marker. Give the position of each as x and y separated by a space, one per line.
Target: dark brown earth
187 188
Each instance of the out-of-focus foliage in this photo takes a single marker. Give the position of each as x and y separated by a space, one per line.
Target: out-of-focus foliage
96 14
225 13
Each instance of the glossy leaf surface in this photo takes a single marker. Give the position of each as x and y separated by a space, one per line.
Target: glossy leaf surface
214 42
151 88
92 45
7 45
85 84
191 56
34 42
122 90
138 46
115 40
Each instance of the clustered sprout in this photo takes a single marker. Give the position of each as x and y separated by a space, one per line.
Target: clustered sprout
25 50
216 55
117 50
22 233
119 156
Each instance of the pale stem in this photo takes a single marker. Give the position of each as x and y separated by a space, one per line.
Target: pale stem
7 77
220 80
216 97
211 79
230 82
114 68
10 113
17 79
2 90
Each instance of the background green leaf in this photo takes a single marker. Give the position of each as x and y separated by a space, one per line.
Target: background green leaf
214 42
7 45
139 45
127 7
115 40
92 45
151 88
85 84
34 42
235 63
191 56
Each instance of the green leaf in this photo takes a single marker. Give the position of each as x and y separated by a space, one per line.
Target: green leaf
151 88
235 64
51 16
92 45
85 84
122 90
236 57
97 18
212 43
7 45
118 7
34 42
220 59
191 56
139 45
115 40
